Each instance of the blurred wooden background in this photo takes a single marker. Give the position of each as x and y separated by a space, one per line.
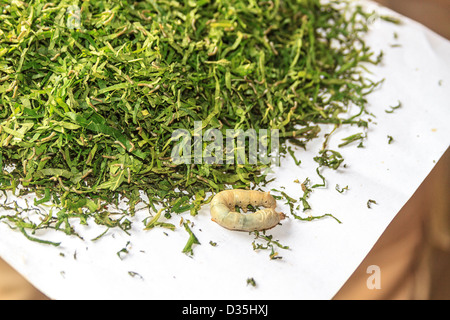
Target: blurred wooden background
413 253
435 14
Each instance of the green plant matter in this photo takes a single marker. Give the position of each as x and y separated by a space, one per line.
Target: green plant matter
91 92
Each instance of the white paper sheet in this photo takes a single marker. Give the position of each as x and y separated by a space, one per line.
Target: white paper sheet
323 253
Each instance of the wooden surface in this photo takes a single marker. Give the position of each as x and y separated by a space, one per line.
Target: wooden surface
414 252
435 14
15 287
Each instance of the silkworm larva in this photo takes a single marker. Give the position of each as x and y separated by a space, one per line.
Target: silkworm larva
120 144
109 19
223 210
48 138
55 57
213 52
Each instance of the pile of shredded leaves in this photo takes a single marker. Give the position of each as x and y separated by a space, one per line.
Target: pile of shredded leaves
91 92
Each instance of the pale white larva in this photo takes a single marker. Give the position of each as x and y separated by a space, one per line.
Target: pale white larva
223 210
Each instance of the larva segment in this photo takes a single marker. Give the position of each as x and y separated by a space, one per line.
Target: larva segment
223 210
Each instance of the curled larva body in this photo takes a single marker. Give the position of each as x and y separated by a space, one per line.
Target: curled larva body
223 210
